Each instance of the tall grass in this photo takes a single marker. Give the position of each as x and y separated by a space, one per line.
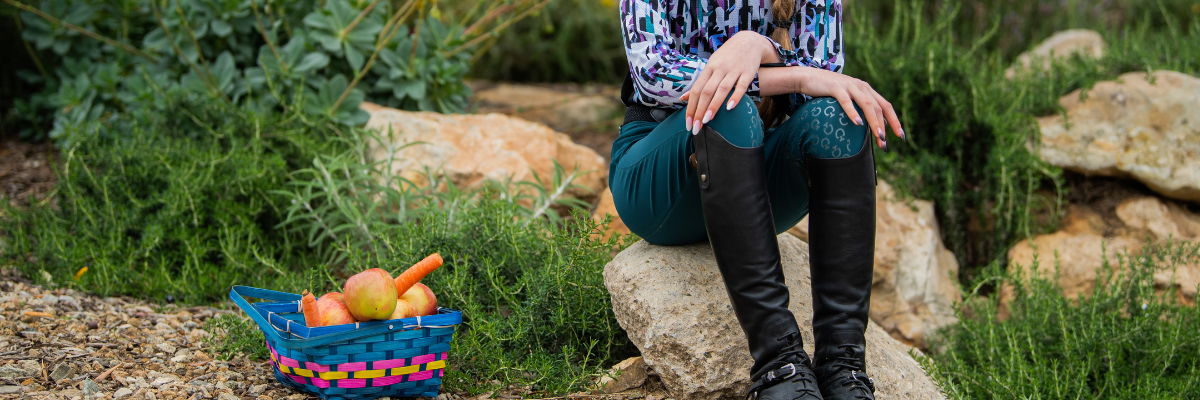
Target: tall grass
1126 339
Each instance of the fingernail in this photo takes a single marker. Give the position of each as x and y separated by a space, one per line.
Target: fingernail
688 123
707 116
902 137
730 105
879 132
857 121
696 128
885 150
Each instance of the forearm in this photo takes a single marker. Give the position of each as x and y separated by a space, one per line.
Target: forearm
783 80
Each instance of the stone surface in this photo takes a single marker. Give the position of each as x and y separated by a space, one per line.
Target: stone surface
122 393
469 149
915 282
90 388
627 374
1060 45
62 371
1131 128
606 207
673 305
1076 250
561 110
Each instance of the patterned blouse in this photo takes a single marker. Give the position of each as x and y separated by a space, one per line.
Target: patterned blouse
668 42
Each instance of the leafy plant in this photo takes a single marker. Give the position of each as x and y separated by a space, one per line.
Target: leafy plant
1126 339
243 51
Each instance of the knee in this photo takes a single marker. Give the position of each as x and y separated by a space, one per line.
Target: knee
831 131
741 125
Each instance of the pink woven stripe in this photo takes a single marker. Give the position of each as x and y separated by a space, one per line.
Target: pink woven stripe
352 383
354 366
420 376
298 379
387 380
386 364
316 367
443 356
321 383
423 359
289 362
441 372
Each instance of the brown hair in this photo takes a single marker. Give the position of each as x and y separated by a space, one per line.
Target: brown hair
774 109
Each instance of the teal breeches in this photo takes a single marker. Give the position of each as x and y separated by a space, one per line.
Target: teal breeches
657 192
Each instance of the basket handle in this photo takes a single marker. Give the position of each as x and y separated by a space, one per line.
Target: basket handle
236 294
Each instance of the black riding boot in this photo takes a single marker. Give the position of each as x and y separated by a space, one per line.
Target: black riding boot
737 212
842 255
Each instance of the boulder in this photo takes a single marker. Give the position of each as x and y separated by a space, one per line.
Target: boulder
469 149
1060 45
564 110
1146 128
672 303
915 284
1079 249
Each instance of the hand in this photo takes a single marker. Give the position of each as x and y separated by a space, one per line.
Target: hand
728 69
848 91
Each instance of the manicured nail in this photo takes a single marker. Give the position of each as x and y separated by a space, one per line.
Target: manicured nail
688 123
707 116
885 150
857 121
879 132
730 105
696 128
902 137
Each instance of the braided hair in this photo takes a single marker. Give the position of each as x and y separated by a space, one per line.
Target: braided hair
774 109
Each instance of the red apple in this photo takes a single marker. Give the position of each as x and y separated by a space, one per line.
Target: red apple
422 299
334 295
370 295
333 312
403 310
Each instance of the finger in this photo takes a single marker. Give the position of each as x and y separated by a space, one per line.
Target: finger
890 114
702 104
843 98
739 90
728 83
684 96
699 83
874 122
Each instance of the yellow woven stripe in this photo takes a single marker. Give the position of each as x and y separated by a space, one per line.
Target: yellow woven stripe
284 369
374 373
405 370
303 372
331 375
439 364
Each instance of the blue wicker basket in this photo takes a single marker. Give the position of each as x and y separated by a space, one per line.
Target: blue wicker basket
395 358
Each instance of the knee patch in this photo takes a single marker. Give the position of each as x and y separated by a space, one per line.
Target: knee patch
831 132
742 125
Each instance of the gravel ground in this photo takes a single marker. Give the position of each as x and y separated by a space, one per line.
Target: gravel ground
62 344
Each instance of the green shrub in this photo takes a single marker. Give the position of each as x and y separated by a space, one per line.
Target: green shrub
1121 341
570 41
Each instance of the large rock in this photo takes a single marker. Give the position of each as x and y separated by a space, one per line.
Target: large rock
607 208
672 303
1131 128
469 149
1087 238
1063 44
562 110
915 284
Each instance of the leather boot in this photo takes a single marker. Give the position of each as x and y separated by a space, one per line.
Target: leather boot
842 255
741 231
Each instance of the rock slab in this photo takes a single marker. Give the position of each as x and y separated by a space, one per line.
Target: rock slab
915 282
672 303
1060 45
1145 128
470 149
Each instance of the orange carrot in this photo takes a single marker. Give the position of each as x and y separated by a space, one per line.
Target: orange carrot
414 273
312 315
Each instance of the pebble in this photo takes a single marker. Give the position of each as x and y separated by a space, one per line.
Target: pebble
49 299
62 371
258 389
90 387
122 393
166 347
12 389
162 381
8 372
227 396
